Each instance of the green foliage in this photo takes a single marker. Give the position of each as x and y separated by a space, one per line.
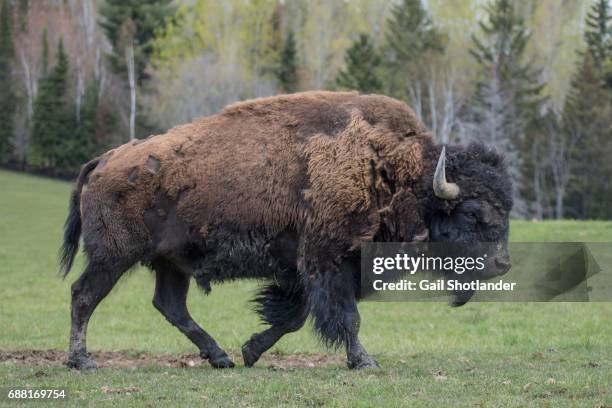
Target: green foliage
52 120
500 54
607 73
598 33
361 72
62 140
24 6
44 58
413 51
411 42
587 121
506 104
83 146
287 74
137 21
257 35
195 56
7 88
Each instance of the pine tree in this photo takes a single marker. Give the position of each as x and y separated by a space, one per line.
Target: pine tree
598 34
587 119
44 58
506 104
81 146
23 14
52 120
411 40
607 73
501 54
361 71
7 88
287 71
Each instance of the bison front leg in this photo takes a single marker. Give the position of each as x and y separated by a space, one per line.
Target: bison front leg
333 304
171 287
356 356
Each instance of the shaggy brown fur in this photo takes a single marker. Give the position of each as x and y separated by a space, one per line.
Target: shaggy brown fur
284 188
309 160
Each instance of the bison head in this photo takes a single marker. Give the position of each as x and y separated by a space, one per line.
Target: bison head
472 206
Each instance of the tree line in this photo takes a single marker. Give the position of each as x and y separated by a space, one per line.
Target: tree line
533 79
66 69
559 160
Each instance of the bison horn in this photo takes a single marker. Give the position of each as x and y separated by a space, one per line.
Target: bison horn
442 188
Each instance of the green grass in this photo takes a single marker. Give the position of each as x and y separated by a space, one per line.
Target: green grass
490 354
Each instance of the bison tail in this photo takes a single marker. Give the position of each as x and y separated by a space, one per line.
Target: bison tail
72 226
278 306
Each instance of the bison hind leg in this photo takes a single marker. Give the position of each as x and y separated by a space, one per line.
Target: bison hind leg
93 285
284 309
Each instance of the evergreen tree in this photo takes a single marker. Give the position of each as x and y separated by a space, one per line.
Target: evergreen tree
411 41
506 105
44 58
501 54
287 72
7 88
147 16
23 14
81 144
598 33
52 120
361 71
608 74
587 119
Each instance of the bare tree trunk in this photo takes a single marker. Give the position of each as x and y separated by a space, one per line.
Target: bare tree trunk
80 90
30 83
561 146
89 23
537 186
448 119
560 194
433 108
416 100
99 72
129 58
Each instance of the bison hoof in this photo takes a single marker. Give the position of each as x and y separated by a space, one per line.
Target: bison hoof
221 361
82 363
248 355
363 363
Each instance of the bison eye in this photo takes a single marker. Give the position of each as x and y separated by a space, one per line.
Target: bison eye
471 215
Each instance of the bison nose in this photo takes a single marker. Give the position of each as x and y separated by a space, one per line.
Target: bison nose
503 263
423 236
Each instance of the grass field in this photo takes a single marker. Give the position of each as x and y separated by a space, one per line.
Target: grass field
483 354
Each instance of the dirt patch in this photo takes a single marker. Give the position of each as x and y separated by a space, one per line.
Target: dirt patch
132 359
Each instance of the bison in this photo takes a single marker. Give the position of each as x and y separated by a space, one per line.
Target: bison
283 189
